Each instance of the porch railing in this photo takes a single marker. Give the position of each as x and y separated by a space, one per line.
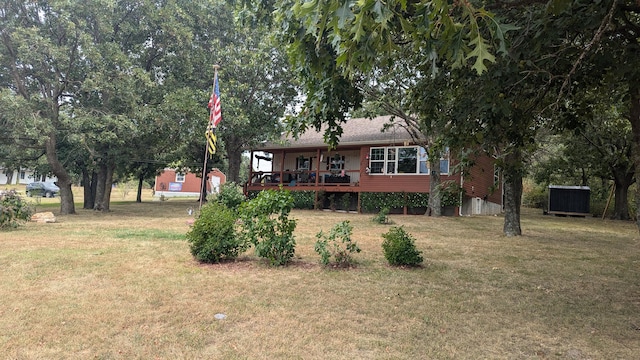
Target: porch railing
305 178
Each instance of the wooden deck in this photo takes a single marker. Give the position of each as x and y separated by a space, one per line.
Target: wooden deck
306 181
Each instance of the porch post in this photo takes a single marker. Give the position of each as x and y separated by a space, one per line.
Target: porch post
281 167
317 168
405 203
249 182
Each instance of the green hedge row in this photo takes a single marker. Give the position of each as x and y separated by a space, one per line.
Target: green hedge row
373 202
301 199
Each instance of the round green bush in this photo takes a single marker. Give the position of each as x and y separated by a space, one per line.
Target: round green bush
399 248
230 195
213 237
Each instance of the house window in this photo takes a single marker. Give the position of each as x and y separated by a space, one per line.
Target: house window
423 161
335 163
377 160
22 175
444 163
403 160
407 160
303 163
391 160
179 177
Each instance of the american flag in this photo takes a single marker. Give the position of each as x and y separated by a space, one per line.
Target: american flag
215 112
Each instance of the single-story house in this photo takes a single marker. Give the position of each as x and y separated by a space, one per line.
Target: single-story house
173 183
368 160
22 177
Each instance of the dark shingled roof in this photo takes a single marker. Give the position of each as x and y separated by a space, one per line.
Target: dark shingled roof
360 131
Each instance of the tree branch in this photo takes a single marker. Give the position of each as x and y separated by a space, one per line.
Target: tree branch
594 40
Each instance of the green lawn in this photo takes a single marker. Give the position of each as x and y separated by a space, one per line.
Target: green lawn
123 285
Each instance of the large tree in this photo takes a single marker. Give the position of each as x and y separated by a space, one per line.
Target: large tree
594 144
384 53
71 63
610 57
122 86
258 88
418 102
42 57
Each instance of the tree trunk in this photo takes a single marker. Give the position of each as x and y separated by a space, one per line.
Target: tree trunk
513 194
108 185
100 187
9 174
235 161
435 195
89 188
621 202
140 182
64 180
634 118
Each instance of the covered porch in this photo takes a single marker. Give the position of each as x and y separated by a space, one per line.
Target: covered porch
304 169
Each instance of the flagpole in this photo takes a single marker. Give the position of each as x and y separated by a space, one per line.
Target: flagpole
203 184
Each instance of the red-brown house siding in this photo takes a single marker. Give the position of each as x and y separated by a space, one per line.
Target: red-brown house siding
395 182
190 186
479 181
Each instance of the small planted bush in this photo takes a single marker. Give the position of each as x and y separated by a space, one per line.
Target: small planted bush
345 201
13 209
399 248
213 237
382 217
336 248
266 224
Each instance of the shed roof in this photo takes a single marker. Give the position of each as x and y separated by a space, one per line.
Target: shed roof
356 131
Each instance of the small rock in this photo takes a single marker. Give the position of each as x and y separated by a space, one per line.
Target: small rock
44 217
220 316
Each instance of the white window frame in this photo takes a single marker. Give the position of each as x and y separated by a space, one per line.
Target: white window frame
180 177
388 163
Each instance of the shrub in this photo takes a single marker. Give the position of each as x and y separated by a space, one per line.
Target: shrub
332 202
417 200
345 201
230 195
536 196
451 192
13 210
303 199
399 248
337 245
266 224
372 202
382 217
213 237
319 204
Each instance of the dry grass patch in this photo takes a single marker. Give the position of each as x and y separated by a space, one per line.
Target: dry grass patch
124 285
